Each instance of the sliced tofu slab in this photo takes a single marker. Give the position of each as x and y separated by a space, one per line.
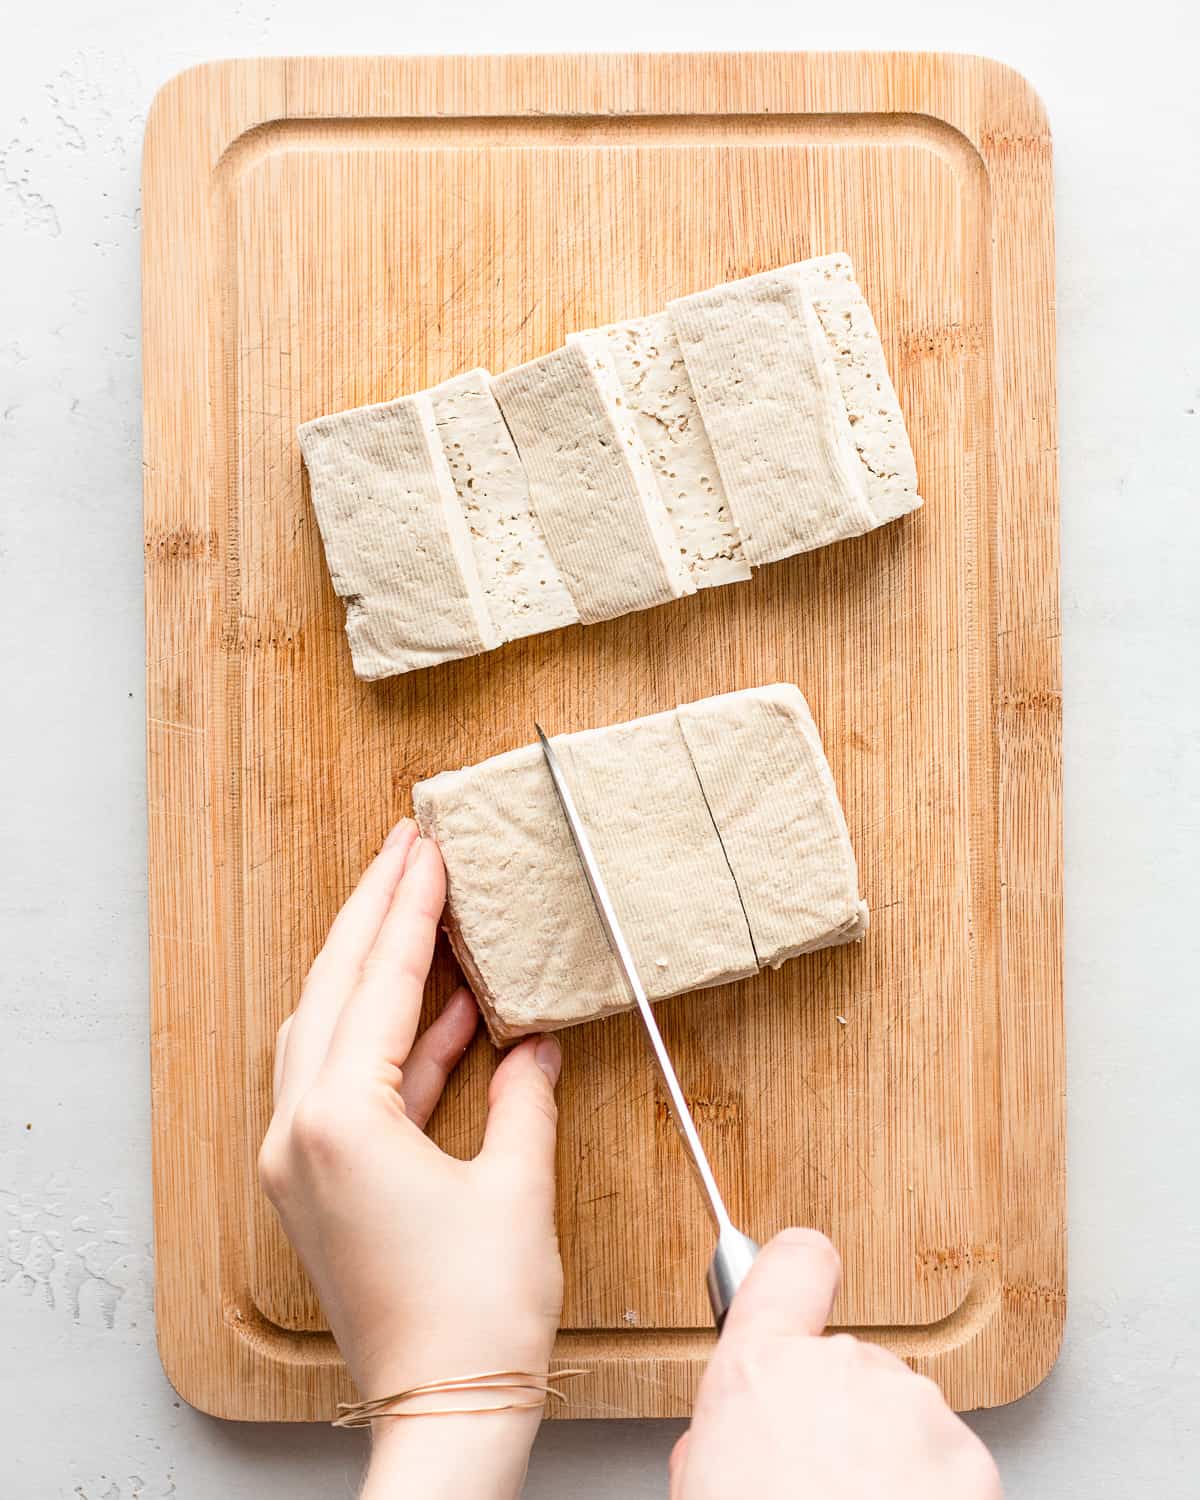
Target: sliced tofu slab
765 381
876 421
395 540
520 916
591 484
640 462
649 364
773 800
718 829
524 591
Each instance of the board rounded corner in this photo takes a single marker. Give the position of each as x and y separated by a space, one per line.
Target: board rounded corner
189 86
1043 1343
187 1371
1013 111
1017 84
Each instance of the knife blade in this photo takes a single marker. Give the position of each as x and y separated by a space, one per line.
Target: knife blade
734 1251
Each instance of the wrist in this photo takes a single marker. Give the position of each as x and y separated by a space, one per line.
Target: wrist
482 1454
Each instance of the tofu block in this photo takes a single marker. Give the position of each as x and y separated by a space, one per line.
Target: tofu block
395 540
767 388
591 484
524 591
876 421
520 916
638 463
649 364
718 829
771 793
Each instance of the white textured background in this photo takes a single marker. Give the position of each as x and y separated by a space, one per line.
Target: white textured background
85 1412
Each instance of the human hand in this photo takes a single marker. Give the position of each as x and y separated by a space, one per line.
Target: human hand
783 1412
427 1267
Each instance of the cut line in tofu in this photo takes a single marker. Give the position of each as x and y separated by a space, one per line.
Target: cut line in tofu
649 364
636 789
591 485
771 793
674 805
764 377
872 406
396 544
524 591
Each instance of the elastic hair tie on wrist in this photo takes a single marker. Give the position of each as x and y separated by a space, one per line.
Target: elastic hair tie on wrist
363 1413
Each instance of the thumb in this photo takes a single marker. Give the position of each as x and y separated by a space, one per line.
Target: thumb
522 1122
789 1290
675 1466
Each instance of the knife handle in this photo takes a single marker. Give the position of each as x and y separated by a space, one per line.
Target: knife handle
728 1268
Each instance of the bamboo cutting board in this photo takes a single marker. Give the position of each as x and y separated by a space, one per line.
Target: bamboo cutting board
320 234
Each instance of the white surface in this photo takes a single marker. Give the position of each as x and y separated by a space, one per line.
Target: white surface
85 1413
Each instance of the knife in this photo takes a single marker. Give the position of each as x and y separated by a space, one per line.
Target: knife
735 1251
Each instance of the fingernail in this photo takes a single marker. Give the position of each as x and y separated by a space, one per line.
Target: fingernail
548 1056
400 831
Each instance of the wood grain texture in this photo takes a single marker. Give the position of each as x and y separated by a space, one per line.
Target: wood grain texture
324 233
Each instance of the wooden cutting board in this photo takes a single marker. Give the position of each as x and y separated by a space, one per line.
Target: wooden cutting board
324 233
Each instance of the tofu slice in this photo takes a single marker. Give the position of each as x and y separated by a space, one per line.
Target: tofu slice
770 789
591 484
873 408
765 381
395 540
525 592
520 916
518 912
649 364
